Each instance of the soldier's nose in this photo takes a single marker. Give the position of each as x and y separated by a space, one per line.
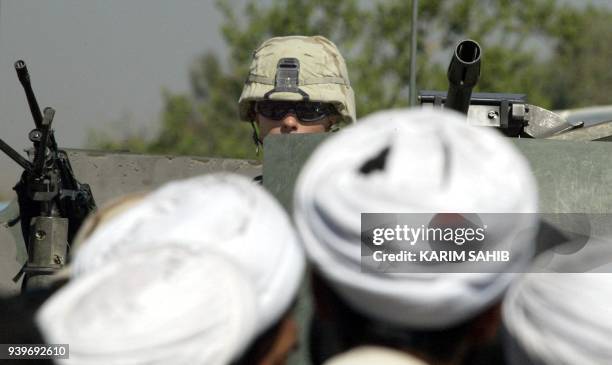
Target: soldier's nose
289 123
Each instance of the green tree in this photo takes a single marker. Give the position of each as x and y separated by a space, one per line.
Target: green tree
581 74
537 47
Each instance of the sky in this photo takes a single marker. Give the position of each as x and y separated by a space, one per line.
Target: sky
98 63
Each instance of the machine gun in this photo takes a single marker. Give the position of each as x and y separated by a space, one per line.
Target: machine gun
52 202
508 112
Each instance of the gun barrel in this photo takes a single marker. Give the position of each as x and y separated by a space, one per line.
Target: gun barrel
463 74
15 156
24 78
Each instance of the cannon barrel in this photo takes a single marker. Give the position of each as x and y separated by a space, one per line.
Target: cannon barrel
463 74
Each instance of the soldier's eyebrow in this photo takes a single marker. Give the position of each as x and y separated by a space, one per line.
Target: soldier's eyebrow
377 162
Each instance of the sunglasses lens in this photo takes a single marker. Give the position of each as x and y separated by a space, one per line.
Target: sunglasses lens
310 112
272 110
305 111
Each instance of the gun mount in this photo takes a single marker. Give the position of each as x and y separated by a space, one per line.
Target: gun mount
52 202
511 113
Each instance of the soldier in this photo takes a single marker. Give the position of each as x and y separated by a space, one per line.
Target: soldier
296 84
411 161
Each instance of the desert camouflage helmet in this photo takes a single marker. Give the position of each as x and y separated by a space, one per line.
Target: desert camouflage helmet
321 75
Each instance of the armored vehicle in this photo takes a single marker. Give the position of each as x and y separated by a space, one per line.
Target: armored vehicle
569 160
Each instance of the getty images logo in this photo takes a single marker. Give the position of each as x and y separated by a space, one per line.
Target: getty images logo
443 228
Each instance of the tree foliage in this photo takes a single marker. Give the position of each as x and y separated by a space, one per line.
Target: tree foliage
556 54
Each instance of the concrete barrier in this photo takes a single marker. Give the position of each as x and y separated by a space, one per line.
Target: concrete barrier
111 175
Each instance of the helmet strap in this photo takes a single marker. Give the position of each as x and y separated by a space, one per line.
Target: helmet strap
258 142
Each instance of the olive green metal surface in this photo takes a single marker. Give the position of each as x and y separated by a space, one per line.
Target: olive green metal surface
573 176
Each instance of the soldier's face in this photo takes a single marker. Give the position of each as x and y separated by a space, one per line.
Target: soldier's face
282 117
291 124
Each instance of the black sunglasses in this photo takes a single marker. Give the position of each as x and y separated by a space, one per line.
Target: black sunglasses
304 110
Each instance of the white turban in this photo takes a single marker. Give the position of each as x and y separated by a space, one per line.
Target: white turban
434 163
562 318
221 213
167 305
